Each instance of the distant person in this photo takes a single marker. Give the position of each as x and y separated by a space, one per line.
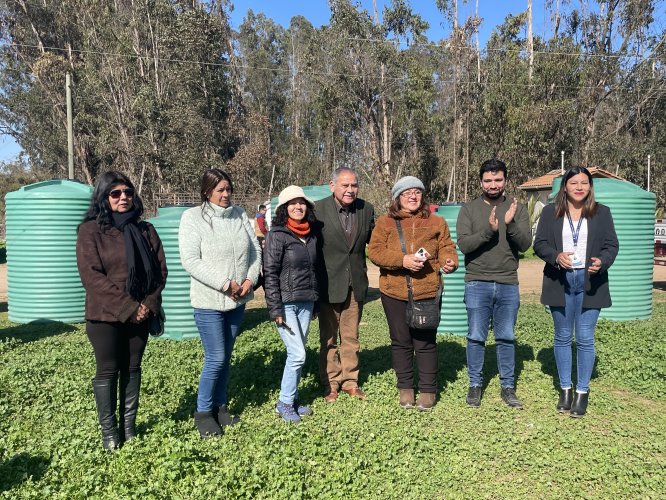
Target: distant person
260 226
346 223
420 230
492 230
219 250
576 238
123 270
290 264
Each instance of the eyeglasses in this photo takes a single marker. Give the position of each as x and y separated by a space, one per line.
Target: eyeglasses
414 192
115 194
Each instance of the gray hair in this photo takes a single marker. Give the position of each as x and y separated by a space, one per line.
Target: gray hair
340 170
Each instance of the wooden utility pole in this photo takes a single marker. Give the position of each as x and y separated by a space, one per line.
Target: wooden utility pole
530 40
70 127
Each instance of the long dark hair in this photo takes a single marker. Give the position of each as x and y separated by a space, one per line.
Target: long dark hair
395 212
209 180
561 206
281 214
100 209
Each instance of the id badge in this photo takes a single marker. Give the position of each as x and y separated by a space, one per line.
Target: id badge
576 260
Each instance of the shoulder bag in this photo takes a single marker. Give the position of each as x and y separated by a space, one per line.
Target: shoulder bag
421 314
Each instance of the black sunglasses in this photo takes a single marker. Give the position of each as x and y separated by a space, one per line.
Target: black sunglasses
115 194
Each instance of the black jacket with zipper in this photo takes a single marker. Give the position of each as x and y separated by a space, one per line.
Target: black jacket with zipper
289 269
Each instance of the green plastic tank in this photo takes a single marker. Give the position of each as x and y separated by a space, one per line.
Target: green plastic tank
315 193
630 277
42 278
179 323
453 313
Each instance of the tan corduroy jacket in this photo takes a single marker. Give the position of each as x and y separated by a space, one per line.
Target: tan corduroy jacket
431 233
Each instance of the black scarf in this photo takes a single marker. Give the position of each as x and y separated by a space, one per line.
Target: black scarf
143 274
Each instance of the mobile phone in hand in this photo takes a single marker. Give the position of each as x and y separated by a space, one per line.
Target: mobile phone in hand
422 252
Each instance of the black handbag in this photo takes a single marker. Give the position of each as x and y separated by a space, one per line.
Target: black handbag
421 314
156 326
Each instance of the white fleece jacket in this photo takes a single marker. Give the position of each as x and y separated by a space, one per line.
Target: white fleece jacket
216 245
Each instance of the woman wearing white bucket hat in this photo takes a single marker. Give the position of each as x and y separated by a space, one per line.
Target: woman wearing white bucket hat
290 281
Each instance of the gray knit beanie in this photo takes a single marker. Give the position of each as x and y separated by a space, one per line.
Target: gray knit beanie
405 183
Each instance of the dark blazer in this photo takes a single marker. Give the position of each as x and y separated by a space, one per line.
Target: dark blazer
601 243
340 261
100 257
289 269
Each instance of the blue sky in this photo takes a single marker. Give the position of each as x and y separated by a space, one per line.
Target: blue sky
493 12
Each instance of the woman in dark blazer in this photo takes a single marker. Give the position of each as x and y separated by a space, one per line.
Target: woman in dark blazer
576 238
123 270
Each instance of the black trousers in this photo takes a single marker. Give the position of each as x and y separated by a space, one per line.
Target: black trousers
118 347
409 343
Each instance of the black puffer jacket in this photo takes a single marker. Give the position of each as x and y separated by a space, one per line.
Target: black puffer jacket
289 269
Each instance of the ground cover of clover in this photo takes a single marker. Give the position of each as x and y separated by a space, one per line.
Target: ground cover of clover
50 443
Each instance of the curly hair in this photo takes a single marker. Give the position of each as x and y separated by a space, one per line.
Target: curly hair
281 215
100 209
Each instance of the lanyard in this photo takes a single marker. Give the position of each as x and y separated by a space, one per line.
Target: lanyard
576 233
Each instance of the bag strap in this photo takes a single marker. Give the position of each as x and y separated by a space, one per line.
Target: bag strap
404 251
408 276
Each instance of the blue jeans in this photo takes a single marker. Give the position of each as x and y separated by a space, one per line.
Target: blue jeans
297 316
218 331
567 319
486 301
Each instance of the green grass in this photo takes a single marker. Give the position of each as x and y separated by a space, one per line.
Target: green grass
50 444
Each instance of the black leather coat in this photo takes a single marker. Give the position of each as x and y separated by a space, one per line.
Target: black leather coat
289 269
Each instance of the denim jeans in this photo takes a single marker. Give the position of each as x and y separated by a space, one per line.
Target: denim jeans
567 319
297 317
499 302
218 331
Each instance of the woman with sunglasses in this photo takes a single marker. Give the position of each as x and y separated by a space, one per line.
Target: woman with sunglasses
123 270
411 242
291 288
220 251
576 238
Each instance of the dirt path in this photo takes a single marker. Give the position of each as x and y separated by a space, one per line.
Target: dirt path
530 274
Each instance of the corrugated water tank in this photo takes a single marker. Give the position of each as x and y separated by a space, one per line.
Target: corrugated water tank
453 317
179 323
42 278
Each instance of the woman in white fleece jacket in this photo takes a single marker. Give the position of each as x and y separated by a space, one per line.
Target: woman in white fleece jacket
219 250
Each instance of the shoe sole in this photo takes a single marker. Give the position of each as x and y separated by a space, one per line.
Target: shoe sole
407 407
576 415
473 404
423 408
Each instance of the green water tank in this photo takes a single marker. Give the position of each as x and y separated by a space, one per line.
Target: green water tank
453 313
630 277
42 278
178 311
315 193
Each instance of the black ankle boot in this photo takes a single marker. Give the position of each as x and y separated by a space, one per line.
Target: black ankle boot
130 385
106 396
564 403
206 424
579 405
223 417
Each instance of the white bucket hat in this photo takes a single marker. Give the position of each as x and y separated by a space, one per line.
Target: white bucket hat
290 193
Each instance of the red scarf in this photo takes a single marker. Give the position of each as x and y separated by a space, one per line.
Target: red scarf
299 228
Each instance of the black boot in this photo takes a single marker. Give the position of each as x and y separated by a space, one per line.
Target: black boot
564 403
106 395
223 417
206 424
579 405
130 384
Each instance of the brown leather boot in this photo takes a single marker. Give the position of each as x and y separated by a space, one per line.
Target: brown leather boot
407 398
426 401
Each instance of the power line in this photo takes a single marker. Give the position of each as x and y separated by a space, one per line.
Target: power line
228 64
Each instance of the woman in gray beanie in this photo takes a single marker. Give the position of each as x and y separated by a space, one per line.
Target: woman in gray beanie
421 231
